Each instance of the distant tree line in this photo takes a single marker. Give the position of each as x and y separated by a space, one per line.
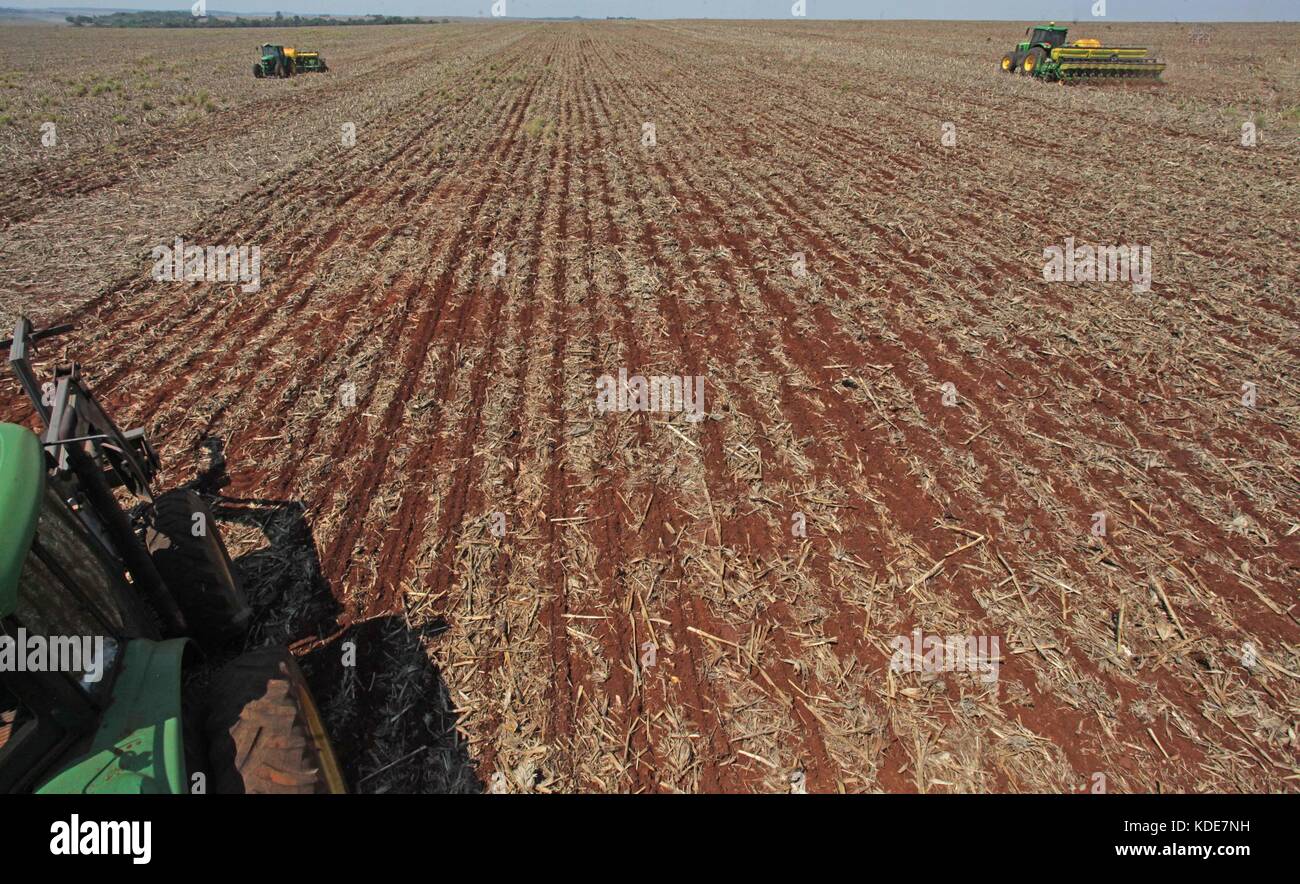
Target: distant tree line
188 20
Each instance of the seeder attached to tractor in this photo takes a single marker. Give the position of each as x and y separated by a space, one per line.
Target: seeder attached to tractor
285 61
1046 55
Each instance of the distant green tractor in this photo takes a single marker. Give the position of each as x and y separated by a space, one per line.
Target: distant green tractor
285 61
108 619
1046 55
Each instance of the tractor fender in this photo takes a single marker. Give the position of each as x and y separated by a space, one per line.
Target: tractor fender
139 747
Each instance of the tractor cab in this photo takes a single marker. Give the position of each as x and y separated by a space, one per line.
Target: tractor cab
273 61
1048 36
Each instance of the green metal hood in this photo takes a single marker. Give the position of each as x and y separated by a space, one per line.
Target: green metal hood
22 482
139 747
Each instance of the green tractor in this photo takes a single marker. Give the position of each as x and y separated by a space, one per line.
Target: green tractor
1046 55
110 618
285 61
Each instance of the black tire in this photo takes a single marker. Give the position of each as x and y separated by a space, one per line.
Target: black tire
193 725
257 71
197 570
264 733
1038 55
1010 63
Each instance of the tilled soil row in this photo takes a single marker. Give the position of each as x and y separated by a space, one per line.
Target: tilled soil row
550 597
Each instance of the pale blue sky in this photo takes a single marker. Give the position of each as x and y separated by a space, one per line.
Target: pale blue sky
1016 10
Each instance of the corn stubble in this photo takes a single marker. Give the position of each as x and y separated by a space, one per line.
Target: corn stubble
546 598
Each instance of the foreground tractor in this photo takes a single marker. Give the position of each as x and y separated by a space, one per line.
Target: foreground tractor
110 620
1045 54
285 61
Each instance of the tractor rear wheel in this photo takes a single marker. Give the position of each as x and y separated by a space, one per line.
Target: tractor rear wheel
186 547
1032 60
264 732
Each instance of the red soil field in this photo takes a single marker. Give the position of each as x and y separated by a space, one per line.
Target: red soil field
905 427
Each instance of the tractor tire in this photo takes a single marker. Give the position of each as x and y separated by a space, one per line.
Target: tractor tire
257 71
1010 64
197 568
264 732
1032 61
193 722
